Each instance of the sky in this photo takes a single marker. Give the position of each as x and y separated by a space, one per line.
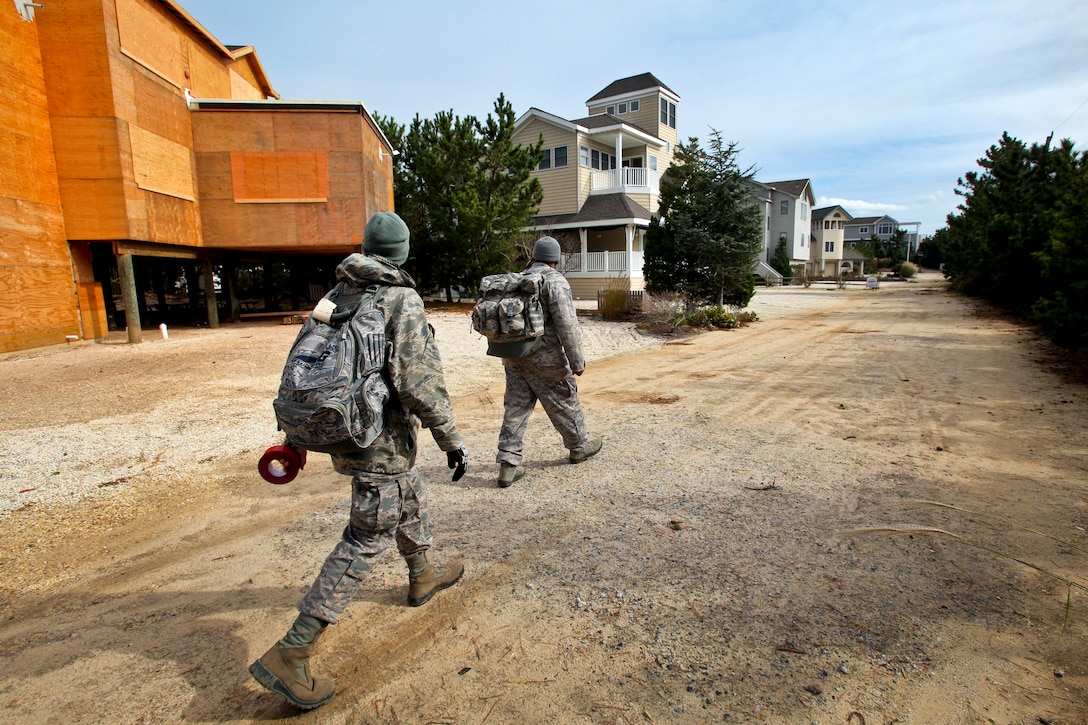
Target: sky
884 106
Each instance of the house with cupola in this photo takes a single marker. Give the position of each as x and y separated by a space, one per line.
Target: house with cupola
601 175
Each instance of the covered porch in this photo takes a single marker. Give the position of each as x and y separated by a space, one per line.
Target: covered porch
601 244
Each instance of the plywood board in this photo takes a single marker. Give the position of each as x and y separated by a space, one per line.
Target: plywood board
41 298
160 165
172 220
300 131
217 131
213 176
75 58
227 225
161 109
150 39
87 148
92 311
94 209
280 177
31 234
242 88
208 73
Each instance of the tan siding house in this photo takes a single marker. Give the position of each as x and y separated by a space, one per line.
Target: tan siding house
600 203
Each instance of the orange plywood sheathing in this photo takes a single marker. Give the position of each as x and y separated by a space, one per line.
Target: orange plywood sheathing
38 298
161 165
243 88
87 148
171 220
161 109
233 132
280 177
94 209
209 73
92 310
227 224
151 40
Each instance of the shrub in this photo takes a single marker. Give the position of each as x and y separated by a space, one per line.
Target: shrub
614 298
907 270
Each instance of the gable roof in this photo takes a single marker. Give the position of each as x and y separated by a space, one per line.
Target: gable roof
632 84
818 214
795 187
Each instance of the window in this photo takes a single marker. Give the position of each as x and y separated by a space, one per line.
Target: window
634 106
785 207
545 160
610 110
583 156
601 160
653 162
804 211
863 230
559 156
622 108
668 113
885 229
827 224
829 246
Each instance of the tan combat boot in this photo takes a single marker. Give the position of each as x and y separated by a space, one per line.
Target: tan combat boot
591 448
286 671
425 579
508 473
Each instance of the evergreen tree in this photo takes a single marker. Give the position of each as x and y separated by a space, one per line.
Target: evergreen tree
707 235
465 191
1019 238
780 261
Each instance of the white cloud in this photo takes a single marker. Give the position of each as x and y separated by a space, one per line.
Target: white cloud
857 207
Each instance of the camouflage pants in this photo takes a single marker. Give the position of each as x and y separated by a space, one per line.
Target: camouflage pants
557 391
384 508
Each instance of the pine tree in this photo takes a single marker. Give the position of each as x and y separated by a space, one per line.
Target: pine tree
707 235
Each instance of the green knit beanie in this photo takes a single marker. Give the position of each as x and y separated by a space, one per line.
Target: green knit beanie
386 235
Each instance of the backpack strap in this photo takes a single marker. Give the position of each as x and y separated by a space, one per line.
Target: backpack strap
351 305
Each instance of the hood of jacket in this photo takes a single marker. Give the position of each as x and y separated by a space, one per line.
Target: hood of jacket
363 270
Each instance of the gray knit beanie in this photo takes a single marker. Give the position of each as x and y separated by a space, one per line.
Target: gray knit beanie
546 249
386 235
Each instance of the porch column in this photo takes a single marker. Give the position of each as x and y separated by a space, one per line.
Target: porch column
127 275
210 303
629 238
620 181
583 237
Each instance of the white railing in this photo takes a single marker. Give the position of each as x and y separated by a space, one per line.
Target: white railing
643 180
598 263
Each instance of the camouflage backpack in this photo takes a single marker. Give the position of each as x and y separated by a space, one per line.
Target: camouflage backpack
333 391
509 309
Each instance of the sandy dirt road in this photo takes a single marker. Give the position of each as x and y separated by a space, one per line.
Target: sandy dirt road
705 567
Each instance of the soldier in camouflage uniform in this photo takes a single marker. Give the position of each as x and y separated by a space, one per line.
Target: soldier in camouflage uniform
546 373
388 501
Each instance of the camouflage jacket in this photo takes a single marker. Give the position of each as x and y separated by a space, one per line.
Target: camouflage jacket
562 345
414 371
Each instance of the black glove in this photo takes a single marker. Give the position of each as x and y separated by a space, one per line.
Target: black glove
457 459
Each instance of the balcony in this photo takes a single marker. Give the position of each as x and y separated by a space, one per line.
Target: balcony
626 180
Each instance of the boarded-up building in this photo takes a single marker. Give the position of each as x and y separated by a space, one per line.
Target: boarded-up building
139 138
